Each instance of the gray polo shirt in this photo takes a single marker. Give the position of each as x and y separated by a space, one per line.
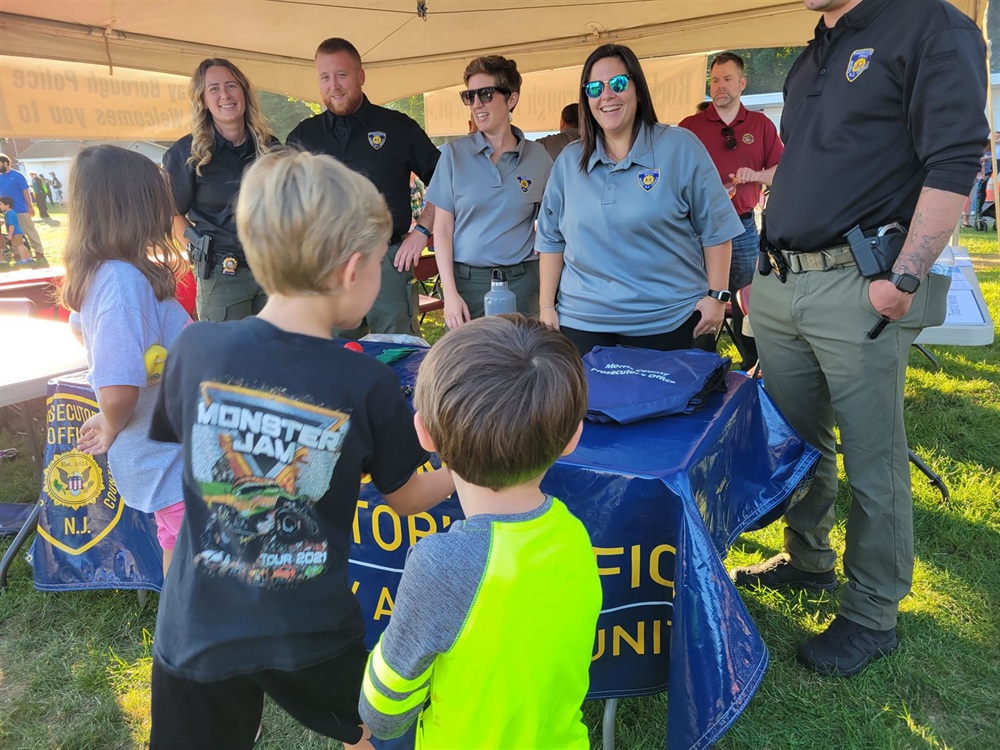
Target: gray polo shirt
632 234
495 205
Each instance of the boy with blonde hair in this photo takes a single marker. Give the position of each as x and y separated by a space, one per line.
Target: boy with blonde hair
279 423
475 651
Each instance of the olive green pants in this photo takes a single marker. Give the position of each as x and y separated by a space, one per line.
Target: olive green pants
821 369
235 297
473 282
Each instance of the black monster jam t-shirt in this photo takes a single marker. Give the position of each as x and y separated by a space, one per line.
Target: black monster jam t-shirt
278 429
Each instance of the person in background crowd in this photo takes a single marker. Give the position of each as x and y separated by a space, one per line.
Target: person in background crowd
12 231
883 123
40 194
486 192
14 184
745 148
386 147
635 229
228 133
56 185
569 131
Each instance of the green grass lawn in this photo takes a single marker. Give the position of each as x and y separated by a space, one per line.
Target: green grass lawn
74 667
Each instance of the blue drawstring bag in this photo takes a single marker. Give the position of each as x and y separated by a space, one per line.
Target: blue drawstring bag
628 385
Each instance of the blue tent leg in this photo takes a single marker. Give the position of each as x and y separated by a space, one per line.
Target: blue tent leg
608 725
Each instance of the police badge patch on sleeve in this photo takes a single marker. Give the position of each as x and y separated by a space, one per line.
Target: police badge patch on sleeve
859 63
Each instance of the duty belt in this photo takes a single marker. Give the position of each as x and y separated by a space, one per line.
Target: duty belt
821 260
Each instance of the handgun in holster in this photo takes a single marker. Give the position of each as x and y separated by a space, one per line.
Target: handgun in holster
769 258
199 253
876 254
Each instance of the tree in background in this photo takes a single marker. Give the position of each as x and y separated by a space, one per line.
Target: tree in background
285 112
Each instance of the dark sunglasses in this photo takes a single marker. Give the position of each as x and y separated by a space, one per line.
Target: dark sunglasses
618 84
485 94
727 132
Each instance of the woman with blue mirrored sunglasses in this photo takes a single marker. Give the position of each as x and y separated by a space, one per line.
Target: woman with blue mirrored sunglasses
486 190
635 231
618 84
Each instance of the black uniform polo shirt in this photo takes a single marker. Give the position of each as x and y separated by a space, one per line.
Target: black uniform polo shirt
209 200
384 145
888 101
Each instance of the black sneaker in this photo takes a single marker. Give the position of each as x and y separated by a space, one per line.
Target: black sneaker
845 648
779 573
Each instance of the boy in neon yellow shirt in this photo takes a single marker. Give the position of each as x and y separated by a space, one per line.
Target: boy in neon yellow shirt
475 651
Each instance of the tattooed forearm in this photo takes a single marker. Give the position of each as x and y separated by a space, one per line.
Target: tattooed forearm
934 220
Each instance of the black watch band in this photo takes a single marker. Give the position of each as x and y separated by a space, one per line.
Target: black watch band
722 296
422 229
907 283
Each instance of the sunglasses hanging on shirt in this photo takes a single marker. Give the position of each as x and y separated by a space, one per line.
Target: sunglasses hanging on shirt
485 94
618 84
727 133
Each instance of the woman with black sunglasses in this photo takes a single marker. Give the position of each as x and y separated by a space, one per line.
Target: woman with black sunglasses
486 190
634 235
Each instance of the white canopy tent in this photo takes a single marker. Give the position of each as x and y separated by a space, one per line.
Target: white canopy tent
408 46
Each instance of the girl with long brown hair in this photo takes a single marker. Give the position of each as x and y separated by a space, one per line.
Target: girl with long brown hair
121 270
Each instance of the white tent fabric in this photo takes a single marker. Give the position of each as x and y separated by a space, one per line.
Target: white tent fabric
408 46
677 84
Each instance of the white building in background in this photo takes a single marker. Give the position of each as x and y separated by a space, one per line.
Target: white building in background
48 157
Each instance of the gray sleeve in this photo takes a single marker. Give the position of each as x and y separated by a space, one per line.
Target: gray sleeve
440 582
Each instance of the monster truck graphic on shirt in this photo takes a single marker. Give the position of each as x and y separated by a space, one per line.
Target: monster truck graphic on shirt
262 461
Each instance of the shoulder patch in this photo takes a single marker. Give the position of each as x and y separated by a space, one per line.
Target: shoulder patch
859 63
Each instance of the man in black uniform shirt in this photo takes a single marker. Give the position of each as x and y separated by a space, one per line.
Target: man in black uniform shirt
883 122
385 146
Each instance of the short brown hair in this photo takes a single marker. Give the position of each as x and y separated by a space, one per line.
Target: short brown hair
300 216
501 397
504 71
723 57
335 44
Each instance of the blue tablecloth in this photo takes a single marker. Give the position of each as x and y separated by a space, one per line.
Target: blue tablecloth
663 500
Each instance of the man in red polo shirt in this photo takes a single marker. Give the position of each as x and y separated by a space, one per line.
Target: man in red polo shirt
745 148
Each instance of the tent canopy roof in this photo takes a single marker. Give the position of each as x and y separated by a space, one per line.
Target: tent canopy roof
405 51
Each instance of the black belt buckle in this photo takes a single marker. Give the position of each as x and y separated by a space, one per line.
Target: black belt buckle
229 265
778 264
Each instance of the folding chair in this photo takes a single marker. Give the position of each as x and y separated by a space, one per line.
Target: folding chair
426 273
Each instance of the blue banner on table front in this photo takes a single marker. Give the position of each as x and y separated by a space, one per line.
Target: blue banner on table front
663 500
87 537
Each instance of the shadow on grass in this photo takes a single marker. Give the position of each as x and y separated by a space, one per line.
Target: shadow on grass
57 651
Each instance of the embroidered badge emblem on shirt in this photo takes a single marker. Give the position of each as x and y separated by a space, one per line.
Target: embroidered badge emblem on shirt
748 138
377 139
860 60
648 178
524 182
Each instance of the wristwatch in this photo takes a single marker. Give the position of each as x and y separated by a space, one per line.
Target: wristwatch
907 283
724 296
422 229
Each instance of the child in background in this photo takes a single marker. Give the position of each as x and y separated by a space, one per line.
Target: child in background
474 651
279 423
13 230
121 269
